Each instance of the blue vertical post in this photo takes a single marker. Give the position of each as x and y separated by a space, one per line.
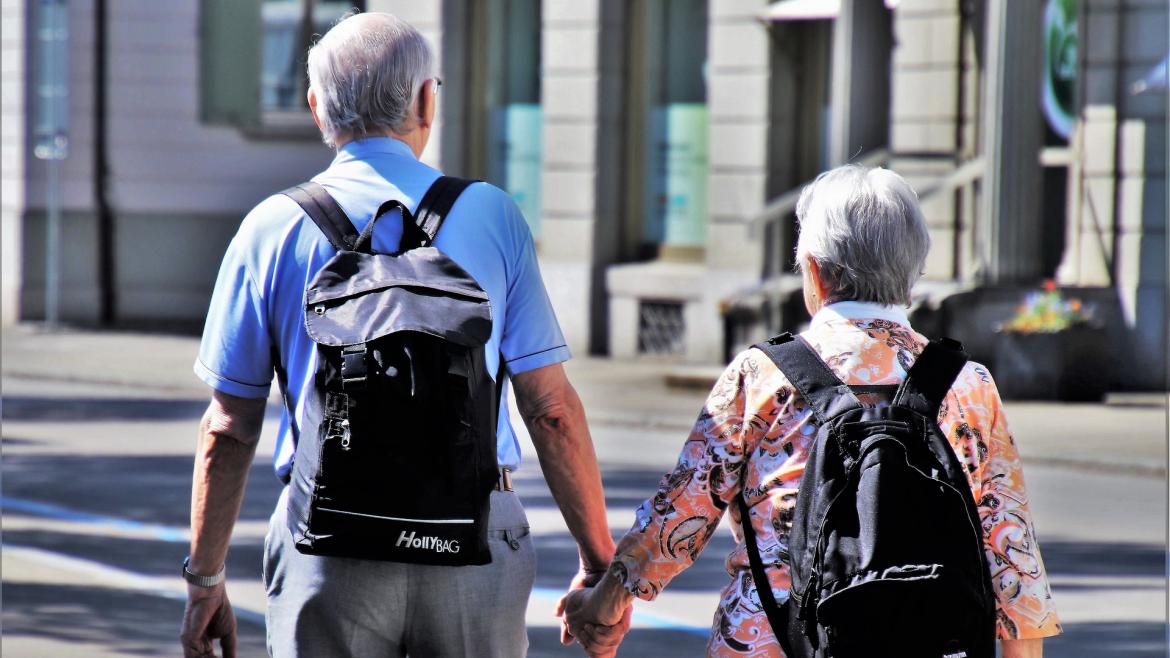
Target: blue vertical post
52 134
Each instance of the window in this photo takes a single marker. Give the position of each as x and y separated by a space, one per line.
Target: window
252 61
504 139
667 163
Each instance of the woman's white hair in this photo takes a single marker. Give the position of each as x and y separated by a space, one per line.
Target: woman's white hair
865 230
367 72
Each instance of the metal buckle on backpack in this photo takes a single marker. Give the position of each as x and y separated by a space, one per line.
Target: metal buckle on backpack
505 481
354 368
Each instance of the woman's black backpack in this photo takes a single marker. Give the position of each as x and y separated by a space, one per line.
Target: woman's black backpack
886 553
397 456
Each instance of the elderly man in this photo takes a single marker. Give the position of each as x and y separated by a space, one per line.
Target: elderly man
372 93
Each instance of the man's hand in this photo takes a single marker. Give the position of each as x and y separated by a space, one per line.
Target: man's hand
208 617
227 444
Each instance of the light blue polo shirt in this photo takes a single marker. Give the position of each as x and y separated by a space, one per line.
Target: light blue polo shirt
257 308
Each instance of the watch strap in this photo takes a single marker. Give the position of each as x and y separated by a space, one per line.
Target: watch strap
201 581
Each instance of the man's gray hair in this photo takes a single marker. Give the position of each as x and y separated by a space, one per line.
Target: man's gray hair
367 72
865 230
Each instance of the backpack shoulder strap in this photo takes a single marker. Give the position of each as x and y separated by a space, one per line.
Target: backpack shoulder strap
931 376
777 619
827 395
322 208
437 202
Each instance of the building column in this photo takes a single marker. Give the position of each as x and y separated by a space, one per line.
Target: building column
738 86
1012 140
932 119
581 95
861 80
12 155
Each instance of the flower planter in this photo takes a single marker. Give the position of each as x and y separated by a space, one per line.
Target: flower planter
1069 365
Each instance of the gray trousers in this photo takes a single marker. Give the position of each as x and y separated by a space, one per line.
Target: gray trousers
326 606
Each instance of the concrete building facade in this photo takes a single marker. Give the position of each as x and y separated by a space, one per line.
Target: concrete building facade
656 147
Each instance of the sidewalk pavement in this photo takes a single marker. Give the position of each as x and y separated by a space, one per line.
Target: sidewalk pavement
1126 435
89 565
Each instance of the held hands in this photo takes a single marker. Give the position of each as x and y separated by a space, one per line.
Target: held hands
599 631
591 618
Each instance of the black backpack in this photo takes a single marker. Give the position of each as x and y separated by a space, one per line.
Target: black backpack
397 458
886 552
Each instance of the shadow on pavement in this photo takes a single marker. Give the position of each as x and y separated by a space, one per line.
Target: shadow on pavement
640 643
101 619
57 409
142 488
146 557
15 442
1099 558
1116 640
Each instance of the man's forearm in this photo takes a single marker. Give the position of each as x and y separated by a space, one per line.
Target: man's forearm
217 491
566 455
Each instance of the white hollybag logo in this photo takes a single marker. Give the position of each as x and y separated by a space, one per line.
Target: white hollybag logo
427 543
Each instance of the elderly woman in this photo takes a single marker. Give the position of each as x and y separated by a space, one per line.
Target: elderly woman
863 244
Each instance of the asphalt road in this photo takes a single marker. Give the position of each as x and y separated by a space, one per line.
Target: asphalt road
95 501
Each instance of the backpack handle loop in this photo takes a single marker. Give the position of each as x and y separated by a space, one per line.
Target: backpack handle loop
364 242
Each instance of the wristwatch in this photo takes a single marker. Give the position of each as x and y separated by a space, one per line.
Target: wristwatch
201 581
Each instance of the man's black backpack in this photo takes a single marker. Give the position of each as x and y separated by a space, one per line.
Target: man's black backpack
886 553
397 456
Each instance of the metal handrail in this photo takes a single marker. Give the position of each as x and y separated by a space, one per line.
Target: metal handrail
782 206
785 204
966 174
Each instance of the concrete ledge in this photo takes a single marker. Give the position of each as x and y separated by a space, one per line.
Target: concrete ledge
656 280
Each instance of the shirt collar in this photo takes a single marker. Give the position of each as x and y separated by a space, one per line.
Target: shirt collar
361 149
859 311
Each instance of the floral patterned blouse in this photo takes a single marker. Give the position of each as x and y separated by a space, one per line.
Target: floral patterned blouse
753 415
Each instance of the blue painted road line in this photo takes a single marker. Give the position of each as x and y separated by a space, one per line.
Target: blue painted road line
165 533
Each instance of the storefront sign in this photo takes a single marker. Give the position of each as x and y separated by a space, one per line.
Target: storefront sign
1060 65
677 212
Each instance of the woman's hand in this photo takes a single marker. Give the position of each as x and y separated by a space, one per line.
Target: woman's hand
598 618
582 606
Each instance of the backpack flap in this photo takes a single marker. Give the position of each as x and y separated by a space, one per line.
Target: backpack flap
358 297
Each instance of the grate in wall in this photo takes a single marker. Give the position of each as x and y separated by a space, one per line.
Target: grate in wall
660 328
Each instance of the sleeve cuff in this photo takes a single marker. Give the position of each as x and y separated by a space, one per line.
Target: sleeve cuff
633 582
230 386
520 364
1050 626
